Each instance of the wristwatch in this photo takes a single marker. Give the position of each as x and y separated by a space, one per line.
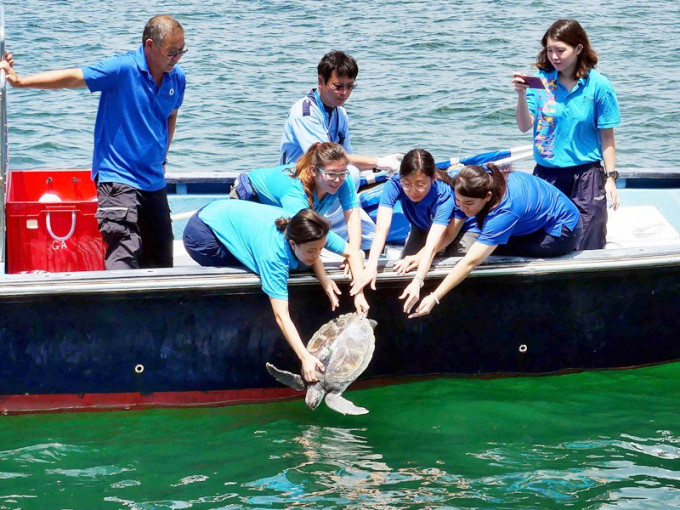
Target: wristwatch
613 174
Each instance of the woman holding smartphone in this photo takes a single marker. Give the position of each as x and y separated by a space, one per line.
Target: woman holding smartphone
573 118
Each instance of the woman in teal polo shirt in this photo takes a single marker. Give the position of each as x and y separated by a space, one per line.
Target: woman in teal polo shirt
573 116
270 243
319 181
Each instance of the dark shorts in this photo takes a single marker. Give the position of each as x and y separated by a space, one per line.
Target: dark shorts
584 185
204 247
541 244
135 225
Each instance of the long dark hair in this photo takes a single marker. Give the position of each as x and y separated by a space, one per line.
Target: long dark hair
420 160
476 181
306 226
318 155
570 32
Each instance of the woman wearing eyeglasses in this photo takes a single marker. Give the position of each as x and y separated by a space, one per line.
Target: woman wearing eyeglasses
518 214
428 202
317 181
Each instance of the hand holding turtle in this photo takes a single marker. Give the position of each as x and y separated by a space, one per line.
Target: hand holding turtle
310 364
361 304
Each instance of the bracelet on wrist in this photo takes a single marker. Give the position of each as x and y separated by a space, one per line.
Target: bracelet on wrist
434 297
420 281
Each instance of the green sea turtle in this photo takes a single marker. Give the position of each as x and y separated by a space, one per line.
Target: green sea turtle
345 347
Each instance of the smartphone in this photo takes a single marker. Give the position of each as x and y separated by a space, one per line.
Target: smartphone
534 82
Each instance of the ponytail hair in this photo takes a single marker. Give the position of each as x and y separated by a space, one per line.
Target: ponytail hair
318 155
420 160
306 226
476 181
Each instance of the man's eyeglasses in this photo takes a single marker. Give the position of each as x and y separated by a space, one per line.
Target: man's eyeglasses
419 187
334 175
174 54
339 87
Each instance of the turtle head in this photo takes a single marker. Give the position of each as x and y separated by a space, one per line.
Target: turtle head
315 394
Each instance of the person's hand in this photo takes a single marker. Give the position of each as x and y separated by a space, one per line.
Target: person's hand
361 304
408 263
368 275
390 163
612 193
10 75
411 294
518 83
346 268
9 58
425 306
332 291
310 364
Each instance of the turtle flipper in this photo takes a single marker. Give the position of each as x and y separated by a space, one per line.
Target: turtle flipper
287 378
340 404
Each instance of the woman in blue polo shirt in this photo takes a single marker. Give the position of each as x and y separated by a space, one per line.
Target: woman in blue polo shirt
317 181
573 118
427 201
269 243
518 214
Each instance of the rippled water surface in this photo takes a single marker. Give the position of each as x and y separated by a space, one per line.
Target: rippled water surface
590 440
433 74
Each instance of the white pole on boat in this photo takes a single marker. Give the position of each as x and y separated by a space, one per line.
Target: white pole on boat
3 140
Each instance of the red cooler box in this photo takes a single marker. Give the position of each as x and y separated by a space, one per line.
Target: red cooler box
50 221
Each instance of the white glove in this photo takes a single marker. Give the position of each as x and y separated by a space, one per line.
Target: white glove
390 163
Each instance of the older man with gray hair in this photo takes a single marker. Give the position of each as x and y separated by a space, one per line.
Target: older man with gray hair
141 93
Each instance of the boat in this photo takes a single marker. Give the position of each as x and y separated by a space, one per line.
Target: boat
91 340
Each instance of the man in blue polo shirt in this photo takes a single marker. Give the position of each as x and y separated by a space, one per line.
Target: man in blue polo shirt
141 92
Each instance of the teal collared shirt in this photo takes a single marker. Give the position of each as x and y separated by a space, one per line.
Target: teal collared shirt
248 231
567 123
275 186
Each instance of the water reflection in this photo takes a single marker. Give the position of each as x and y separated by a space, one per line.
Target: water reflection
339 466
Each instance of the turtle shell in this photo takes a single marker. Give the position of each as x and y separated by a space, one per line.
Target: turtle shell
345 346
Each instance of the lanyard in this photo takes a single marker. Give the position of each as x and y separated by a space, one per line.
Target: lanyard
326 118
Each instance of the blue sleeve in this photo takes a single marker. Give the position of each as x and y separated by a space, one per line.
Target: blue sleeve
498 228
607 106
307 130
347 195
444 207
104 75
391 193
274 277
181 86
335 243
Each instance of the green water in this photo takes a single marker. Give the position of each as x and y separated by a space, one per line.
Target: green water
588 440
